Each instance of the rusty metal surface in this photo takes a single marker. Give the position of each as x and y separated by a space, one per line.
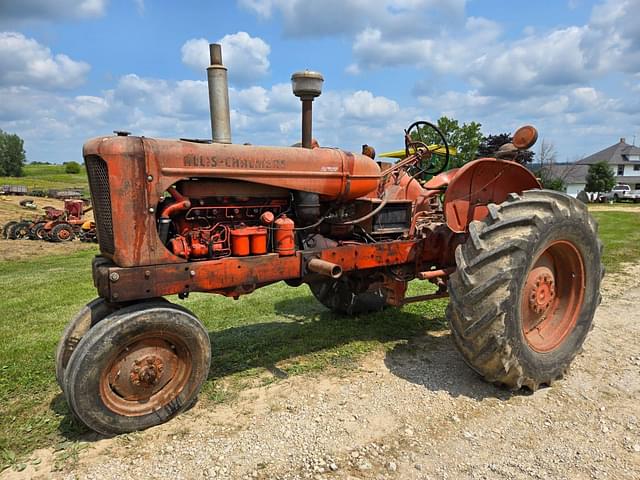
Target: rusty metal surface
145 374
141 170
552 296
480 183
307 122
525 137
325 268
122 284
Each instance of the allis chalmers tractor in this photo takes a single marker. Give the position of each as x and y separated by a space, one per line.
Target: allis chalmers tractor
521 265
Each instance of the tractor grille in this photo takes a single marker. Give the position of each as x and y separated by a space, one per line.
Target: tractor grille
101 198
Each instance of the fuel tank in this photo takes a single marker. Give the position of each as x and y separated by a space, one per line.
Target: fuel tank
332 173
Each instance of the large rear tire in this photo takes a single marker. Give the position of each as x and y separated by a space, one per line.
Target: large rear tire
19 231
526 289
6 228
37 231
138 367
341 297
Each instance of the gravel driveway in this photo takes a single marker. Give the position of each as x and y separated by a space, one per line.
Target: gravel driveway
414 412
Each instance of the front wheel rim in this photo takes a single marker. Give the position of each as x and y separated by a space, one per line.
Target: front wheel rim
552 297
146 375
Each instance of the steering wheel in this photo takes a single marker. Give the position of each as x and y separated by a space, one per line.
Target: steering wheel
414 137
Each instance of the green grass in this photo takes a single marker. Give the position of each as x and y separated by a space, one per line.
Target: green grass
620 233
44 177
260 338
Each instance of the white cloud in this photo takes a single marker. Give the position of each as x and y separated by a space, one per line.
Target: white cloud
246 57
39 10
532 63
303 18
24 61
469 47
449 52
254 99
181 99
262 8
544 77
89 107
363 105
195 53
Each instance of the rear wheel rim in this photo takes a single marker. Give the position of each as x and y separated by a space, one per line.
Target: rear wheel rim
552 296
64 234
146 375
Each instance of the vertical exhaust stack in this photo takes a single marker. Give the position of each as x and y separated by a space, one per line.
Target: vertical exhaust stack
218 96
307 85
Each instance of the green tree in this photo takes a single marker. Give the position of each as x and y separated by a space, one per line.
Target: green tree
600 178
553 183
491 143
12 156
465 138
72 167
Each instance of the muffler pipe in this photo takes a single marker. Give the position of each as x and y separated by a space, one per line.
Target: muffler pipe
218 96
325 268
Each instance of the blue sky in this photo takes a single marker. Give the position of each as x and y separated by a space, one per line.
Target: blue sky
74 69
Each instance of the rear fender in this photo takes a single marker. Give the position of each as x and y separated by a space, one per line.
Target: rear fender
479 183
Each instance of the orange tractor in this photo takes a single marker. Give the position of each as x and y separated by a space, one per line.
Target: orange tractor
55 225
34 228
69 225
521 265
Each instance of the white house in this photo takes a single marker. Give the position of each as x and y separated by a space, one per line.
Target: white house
624 160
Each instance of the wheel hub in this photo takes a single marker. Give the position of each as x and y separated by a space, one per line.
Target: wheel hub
146 371
143 369
542 291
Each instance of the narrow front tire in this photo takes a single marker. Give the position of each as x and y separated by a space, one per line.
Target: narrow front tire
138 367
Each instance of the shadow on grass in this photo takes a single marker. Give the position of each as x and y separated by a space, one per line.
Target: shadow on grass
70 428
310 328
420 356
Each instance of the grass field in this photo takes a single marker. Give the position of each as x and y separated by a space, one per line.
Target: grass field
44 177
275 332
620 233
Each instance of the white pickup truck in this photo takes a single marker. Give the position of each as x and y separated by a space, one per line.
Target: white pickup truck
619 193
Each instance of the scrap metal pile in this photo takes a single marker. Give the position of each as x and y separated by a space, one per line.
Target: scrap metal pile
54 225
